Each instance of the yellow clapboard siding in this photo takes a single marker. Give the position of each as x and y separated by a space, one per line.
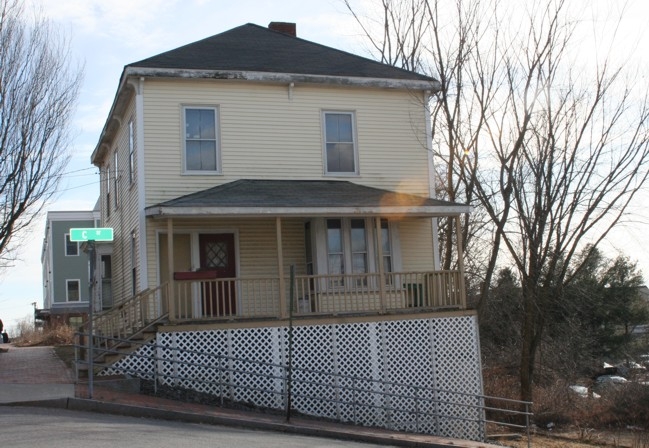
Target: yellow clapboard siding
264 134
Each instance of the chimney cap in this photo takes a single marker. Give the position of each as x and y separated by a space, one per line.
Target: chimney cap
283 27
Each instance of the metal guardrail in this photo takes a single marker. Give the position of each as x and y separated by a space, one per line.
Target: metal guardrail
512 414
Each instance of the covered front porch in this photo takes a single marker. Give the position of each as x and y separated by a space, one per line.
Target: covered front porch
275 249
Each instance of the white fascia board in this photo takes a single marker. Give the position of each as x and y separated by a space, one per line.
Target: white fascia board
284 78
256 212
70 215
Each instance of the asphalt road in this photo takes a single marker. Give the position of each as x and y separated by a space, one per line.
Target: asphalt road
57 428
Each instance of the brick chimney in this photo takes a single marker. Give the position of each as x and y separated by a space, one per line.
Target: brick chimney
283 27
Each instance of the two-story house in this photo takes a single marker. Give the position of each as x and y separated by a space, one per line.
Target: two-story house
65 269
230 161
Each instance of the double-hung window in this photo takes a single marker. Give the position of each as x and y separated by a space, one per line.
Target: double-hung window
341 154
347 249
72 290
131 152
201 150
116 177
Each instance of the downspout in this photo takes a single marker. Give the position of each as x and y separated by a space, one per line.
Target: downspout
432 177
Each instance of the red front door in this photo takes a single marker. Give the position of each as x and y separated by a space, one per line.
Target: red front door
218 298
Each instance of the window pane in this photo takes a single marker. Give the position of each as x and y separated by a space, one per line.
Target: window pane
334 236
359 242
193 155
192 123
338 128
201 155
345 128
336 264
359 263
340 157
200 124
385 238
208 155
206 124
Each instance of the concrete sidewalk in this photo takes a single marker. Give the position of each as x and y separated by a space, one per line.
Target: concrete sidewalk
35 376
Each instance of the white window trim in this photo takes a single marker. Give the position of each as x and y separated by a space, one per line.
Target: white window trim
65 245
217 124
326 171
67 289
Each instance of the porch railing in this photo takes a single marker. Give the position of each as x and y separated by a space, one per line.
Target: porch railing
259 297
130 316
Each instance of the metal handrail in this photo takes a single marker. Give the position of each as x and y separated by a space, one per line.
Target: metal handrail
338 381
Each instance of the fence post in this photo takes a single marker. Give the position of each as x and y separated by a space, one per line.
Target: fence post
289 373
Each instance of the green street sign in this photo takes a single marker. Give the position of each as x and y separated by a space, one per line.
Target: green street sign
92 234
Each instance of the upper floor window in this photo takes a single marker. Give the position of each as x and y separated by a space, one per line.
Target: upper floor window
131 152
341 155
107 186
201 139
116 177
71 247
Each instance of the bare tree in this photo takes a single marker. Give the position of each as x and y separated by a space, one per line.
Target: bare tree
38 91
551 150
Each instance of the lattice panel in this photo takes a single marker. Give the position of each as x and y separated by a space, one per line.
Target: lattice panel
438 353
457 368
139 364
312 353
357 356
264 384
183 358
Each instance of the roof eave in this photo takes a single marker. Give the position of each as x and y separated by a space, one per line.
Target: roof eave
431 85
257 212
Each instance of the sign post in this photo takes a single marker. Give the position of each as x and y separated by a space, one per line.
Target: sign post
91 235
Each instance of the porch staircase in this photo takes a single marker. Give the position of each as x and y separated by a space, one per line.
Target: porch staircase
121 330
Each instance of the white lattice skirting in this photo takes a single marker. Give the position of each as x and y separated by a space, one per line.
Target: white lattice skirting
436 356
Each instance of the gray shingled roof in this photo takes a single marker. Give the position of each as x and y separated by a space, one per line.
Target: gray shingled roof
321 197
254 48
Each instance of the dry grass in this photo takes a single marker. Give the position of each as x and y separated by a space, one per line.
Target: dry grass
32 337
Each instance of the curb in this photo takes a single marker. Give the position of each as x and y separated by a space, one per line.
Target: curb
354 433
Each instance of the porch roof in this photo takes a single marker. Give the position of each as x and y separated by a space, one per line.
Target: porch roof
254 198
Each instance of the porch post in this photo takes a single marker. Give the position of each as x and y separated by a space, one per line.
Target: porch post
379 254
280 269
460 259
171 299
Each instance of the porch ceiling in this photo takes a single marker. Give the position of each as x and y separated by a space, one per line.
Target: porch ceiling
252 198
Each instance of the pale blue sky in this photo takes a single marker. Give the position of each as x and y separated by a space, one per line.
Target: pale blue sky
106 35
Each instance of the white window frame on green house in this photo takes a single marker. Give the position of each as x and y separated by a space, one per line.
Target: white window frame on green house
338 141
198 140
69 244
68 282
